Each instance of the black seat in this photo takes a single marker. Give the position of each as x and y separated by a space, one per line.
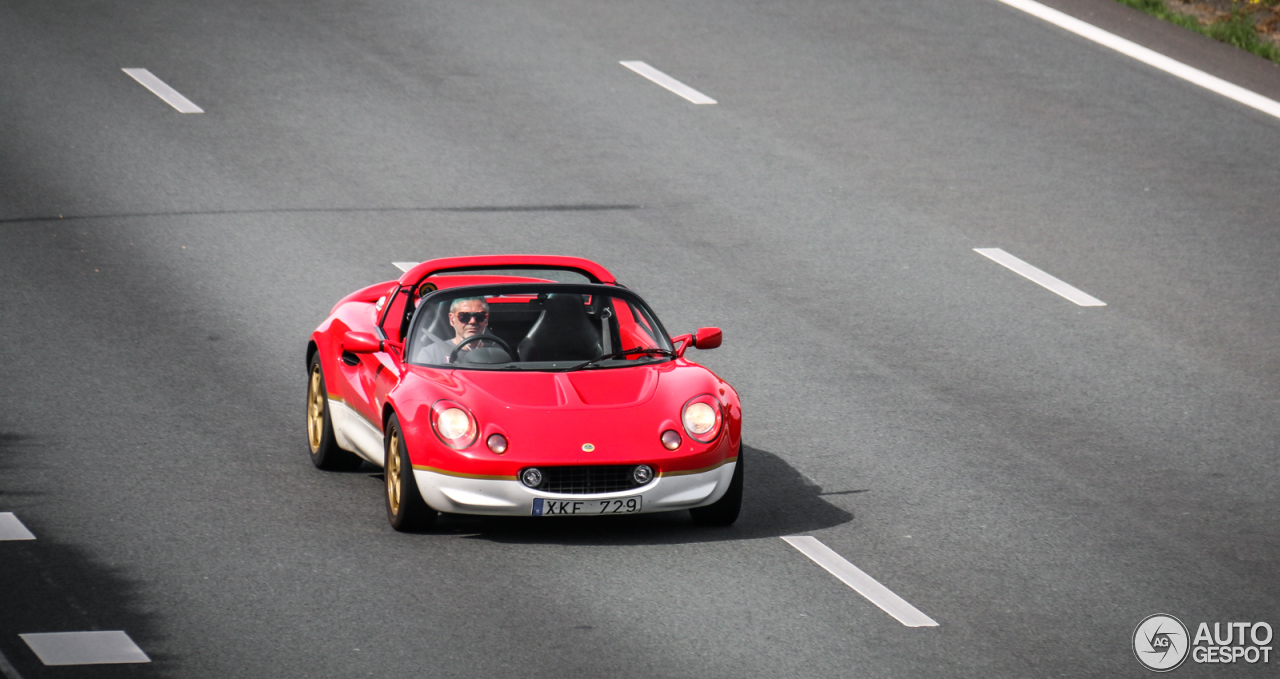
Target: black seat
439 326
563 332
432 330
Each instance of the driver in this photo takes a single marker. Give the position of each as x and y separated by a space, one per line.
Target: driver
469 317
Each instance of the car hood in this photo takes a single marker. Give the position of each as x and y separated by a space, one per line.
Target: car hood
613 387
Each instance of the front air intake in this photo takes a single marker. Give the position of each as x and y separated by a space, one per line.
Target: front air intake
587 480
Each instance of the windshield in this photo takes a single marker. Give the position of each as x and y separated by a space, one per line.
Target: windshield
554 275
550 326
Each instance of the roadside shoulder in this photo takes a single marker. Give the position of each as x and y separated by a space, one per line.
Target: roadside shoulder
1193 49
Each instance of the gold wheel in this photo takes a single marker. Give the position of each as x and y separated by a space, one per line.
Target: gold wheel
315 409
393 472
407 511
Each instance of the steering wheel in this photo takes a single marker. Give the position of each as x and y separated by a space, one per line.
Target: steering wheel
453 357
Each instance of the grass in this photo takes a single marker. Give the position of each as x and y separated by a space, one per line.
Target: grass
1237 29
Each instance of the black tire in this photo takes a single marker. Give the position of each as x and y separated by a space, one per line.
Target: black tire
406 510
723 512
325 453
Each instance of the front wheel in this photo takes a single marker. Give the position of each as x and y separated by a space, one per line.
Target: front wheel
406 510
723 512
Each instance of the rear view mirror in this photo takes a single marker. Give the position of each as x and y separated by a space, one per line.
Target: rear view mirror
360 342
707 338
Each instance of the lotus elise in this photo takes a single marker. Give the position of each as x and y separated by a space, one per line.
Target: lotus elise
521 385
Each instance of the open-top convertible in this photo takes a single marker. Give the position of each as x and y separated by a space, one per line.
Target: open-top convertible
523 386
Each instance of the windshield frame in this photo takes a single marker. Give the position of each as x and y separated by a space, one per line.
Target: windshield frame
631 298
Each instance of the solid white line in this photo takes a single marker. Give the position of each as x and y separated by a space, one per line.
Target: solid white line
160 89
12 529
864 584
405 266
1036 275
668 82
1147 56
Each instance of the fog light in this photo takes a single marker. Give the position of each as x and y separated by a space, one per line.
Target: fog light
531 477
498 443
670 439
642 474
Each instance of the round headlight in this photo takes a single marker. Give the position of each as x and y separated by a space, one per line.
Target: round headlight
531 477
699 418
642 474
670 439
454 423
497 443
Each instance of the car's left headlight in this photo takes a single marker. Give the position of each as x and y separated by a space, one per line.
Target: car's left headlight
701 418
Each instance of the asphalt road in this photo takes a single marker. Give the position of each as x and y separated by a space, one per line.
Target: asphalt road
1035 476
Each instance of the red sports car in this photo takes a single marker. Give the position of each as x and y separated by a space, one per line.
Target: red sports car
523 386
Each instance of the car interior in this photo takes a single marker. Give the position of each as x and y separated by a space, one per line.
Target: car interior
566 326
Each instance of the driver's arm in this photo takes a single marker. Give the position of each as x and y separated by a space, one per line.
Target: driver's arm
434 354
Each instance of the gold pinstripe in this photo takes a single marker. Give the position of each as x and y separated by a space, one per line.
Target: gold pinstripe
339 399
491 477
687 472
500 477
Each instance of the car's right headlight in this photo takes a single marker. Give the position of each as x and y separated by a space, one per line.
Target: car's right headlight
454 425
701 418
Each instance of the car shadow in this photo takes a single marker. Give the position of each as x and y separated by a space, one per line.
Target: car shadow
777 500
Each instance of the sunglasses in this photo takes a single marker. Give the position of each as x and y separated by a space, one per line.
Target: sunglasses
466 316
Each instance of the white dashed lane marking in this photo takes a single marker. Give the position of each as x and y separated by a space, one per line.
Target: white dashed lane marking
1037 276
862 583
85 648
1147 56
668 82
12 529
404 266
160 89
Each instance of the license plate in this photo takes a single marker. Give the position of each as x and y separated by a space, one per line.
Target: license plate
617 505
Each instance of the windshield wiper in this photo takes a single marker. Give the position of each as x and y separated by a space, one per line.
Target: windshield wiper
622 354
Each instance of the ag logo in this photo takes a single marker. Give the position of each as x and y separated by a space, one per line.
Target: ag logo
1161 643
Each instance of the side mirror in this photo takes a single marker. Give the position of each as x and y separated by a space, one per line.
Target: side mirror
360 342
707 338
